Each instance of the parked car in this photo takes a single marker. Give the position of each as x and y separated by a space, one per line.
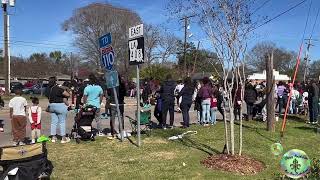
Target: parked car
16 85
35 89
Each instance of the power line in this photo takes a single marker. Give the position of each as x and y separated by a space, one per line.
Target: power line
315 22
258 8
279 15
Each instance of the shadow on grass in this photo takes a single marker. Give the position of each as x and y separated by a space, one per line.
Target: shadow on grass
296 118
186 141
257 130
314 129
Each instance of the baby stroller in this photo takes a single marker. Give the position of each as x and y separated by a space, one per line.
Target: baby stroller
82 128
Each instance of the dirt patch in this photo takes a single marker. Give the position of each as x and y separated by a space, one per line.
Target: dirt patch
243 165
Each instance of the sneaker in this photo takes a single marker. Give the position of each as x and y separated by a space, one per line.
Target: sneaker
33 141
21 144
65 140
101 134
54 139
15 143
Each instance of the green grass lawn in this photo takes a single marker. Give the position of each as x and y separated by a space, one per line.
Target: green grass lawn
159 158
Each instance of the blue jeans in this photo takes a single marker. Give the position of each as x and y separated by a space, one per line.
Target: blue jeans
213 115
205 111
59 113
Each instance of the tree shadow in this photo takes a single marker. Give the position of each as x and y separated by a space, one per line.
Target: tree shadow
257 130
314 129
186 141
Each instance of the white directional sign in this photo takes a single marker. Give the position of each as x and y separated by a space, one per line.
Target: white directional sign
136 31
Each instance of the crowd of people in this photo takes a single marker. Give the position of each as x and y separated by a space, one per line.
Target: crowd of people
208 98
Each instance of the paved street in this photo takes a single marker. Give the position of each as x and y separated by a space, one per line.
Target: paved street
6 138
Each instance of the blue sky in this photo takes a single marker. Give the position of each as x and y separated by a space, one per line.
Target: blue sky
40 21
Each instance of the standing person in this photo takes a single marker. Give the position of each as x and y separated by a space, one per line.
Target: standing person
237 102
112 108
167 94
18 106
250 97
57 109
214 107
313 100
93 95
177 90
186 94
197 101
281 88
122 93
146 92
158 108
205 93
34 113
220 101
295 95
79 93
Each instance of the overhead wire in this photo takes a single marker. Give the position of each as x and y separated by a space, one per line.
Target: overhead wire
278 15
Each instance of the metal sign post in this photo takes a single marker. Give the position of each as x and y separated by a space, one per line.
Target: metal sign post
136 57
112 81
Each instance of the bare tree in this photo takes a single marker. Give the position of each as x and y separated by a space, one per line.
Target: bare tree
284 60
91 22
227 24
151 42
167 45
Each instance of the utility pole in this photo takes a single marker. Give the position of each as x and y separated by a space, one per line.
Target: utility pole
195 58
6 52
6 49
306 59
185 19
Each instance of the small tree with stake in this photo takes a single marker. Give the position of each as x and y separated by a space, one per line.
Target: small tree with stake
227 24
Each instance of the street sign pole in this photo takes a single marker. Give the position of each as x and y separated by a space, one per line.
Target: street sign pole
107 59
138 106
136 57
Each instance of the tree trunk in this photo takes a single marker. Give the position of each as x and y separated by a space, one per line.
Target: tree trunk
226 136
231 128
270 93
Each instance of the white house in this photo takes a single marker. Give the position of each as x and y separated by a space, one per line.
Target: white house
262 76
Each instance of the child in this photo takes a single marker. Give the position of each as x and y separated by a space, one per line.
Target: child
18 117
35 119
214 108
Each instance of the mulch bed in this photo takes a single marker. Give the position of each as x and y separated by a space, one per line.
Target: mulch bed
243 164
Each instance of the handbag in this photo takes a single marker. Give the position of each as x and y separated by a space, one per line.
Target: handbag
48 107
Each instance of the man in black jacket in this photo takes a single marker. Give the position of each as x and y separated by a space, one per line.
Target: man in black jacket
167 94
250 97
313 101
